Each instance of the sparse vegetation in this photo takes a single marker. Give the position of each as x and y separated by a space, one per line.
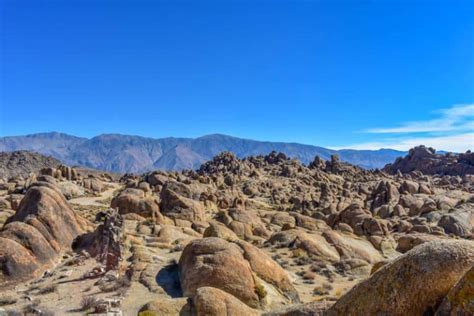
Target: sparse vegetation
88 302
48 289
35 309
261 292
121 283
7 300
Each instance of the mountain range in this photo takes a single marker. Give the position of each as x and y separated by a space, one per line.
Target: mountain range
135 154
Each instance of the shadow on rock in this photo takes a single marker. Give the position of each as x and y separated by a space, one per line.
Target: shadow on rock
168 279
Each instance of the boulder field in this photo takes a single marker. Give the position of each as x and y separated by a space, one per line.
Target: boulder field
262 235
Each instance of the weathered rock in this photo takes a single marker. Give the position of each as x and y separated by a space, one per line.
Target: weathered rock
409 187
43 227
459 222
317 308
94 184
460 299
176 202
385 192
413 284
315 245
210 301
135 201
168 307
105 243
217 263
268 270
408 241
427 161
219 230
352 247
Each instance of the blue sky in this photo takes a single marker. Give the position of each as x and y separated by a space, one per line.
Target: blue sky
357 74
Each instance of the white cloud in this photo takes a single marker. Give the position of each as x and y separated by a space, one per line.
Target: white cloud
452 130
454 143
456 118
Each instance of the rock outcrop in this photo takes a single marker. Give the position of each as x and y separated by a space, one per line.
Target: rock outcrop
23 163
425 160
105 243
43 227
233 268
460 299
212 301
136 201
214 262
414 284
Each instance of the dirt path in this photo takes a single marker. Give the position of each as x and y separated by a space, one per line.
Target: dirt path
97 200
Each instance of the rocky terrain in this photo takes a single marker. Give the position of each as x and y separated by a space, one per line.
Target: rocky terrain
125 153
22 163
427 161
263 235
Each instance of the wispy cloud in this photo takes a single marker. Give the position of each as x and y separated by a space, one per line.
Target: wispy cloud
456 118
451 130
454 143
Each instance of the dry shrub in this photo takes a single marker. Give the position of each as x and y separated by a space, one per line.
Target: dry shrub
48 289
88 302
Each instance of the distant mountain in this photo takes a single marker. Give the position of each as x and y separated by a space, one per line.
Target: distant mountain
125 153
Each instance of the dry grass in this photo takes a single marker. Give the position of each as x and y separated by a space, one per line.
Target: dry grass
48 289
88 303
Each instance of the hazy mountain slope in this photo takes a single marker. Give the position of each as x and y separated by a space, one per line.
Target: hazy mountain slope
55 144
22 163
369 158
211 145
126 153
180 157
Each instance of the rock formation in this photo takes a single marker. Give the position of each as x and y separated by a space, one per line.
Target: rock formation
43 227
425 160
23 163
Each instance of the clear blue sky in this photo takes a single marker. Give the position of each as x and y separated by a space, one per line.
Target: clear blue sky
361 74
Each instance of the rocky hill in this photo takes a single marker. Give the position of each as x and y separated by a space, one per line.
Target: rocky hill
262 235
125 153
427 161
22 163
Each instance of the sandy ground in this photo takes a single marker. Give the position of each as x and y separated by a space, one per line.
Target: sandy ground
104 197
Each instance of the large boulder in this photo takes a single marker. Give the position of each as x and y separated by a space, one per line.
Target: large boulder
413 284
426 160
43 227
460 299
211 301
45 208
459 222
268 270
407 242
217 263
360 220
177 203
314 245
164 306
94 184
350 246
385 193
216 229
237 268
135 201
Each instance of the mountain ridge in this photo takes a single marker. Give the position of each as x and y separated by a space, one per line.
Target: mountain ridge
133 153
